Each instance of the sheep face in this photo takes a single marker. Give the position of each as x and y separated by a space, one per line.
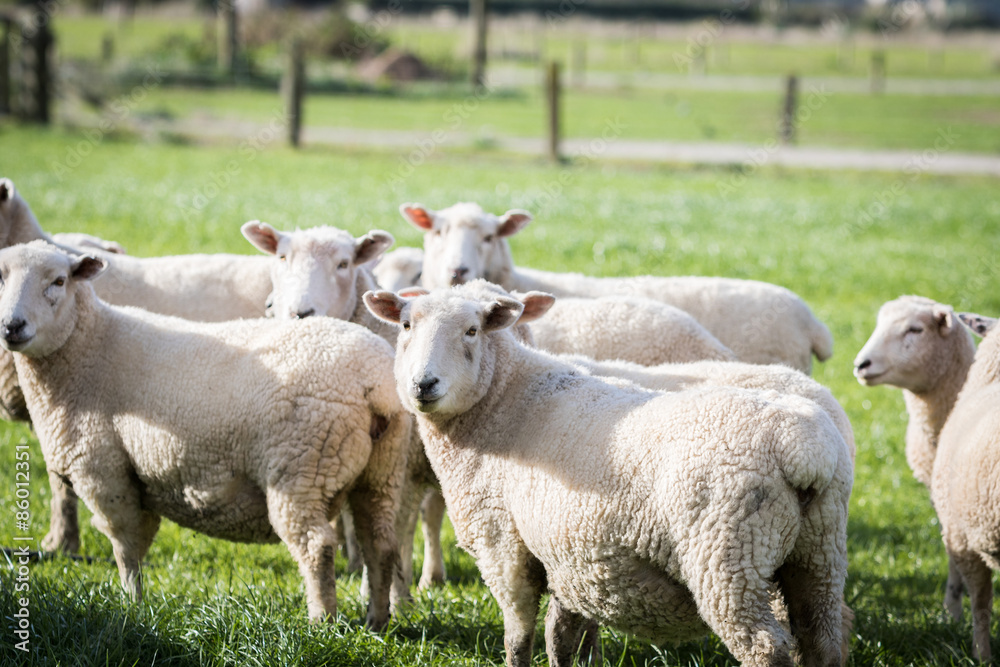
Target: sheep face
400 268
463 242
316 270
909 335
37 296
439 364
978 324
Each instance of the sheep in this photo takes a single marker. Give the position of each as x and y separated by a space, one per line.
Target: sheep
87 242
252 430
463 242
664 515
323 271
210 288
964 482
919 347
399 268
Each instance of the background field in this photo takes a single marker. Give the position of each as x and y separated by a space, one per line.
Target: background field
211 602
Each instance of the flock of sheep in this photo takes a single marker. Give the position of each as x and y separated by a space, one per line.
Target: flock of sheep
649 450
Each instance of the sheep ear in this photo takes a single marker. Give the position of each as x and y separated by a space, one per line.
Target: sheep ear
371 245
945 319
263 236
411 292
501 313
419 216
7 190
513 221
385 305
87 267
978 324
536 304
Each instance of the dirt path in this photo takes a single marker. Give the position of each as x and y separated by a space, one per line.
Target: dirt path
415 147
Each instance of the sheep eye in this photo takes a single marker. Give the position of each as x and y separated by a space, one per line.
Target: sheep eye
59 282
915 330
343 265
283 257
406 325
488 238
472 332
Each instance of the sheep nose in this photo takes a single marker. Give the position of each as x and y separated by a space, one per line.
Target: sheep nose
863 365
425 387
302 314
459 275
11 331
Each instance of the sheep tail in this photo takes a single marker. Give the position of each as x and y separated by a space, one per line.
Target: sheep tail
812 450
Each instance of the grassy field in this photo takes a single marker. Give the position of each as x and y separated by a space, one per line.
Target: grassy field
212 602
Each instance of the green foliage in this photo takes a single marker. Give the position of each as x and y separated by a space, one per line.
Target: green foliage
846 242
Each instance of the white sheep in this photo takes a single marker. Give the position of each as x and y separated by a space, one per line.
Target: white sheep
399 268
760 322
919 347
210 288
663 515
965 485
323 271
251 430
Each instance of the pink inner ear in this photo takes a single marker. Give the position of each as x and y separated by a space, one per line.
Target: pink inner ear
410 292
420 218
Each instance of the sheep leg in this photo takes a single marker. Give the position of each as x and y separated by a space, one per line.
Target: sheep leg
118 514
433 516
354 561
312 542
953 590
568 634
64 525
517 580
979 580
406 528
374 519
814 613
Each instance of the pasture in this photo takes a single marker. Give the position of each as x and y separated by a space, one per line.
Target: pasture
846 242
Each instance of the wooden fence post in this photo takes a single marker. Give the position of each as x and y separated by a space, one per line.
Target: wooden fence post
292 88
788 111
35 85
477 15
552 103
227 37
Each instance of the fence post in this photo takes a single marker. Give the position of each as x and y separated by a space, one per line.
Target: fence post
878 72
552 103
227 37
35 83
292 87
477 15
788 112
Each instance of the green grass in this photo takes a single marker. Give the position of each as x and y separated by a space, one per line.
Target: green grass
212 602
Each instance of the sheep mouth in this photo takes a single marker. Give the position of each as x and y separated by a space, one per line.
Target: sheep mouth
427 404
867 378
16 343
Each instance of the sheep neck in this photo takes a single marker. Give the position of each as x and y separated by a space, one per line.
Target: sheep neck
26 227
986 367
928 410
